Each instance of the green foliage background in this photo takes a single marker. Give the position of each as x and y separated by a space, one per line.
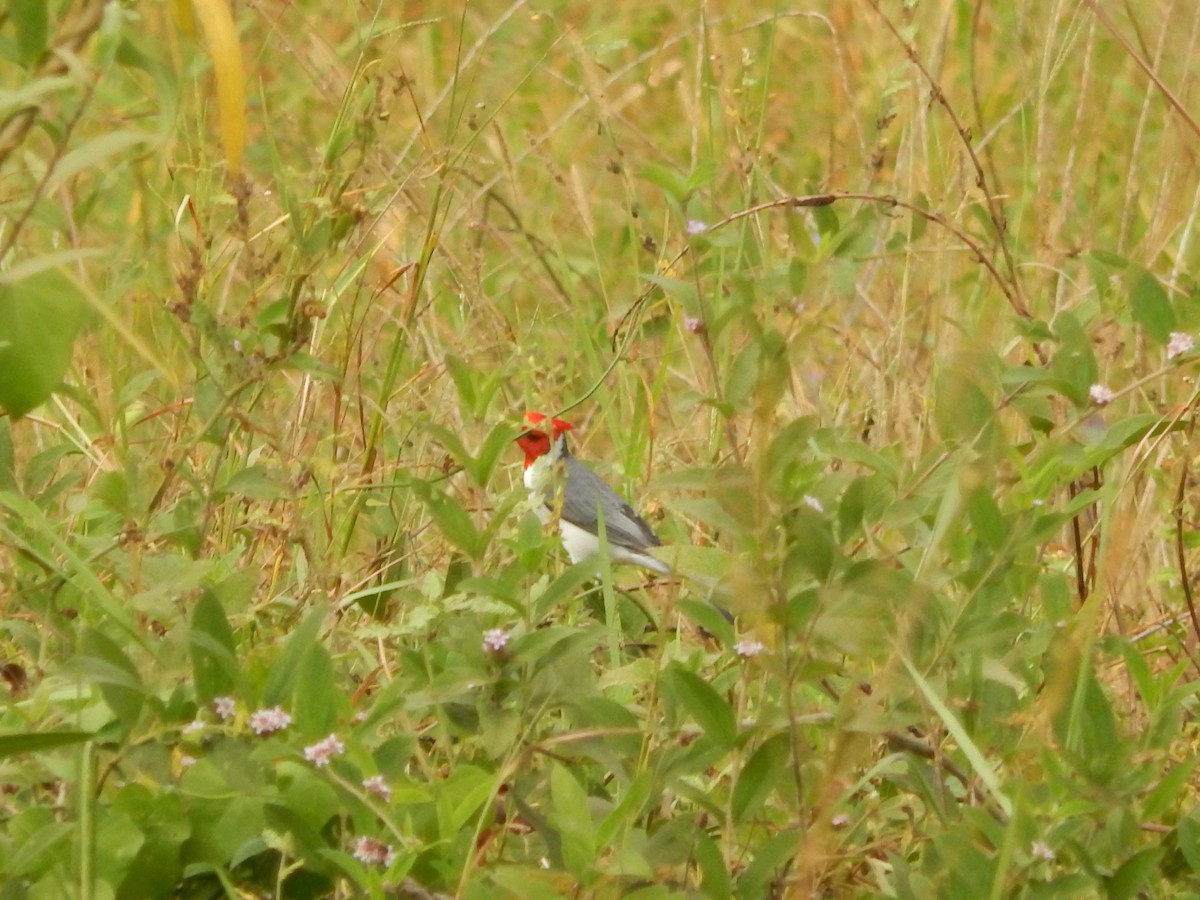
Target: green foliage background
881 310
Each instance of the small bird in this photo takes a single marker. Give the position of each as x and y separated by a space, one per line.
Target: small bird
563 487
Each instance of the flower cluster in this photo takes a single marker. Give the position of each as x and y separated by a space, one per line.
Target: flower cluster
267 721
320 753
373 852
747 648
495 640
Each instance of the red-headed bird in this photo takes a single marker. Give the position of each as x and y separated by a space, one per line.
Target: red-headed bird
563 487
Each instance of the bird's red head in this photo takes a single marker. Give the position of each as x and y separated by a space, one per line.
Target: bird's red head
537 441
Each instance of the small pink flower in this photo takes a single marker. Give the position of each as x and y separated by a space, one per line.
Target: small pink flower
495 640
225 708
192 727
373 852
1042 850
696 226
320 753
1101 395
377 786
693 324
746 648
1181 342
841 820
266 721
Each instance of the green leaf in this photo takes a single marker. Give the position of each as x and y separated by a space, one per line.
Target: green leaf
709 617
986 518
811 541
797 276
566 586
703 175
316 700
32 93
39 318
451 519
1188 832
8 460
107 666
464 381
962 409
983 769
705 705
714 876
573 821
672 182
32 20
282 678
93 153
1151 306
1134 873
463 794
1112 260
759 776
771 857
1166 793
1073 367
38 741
214 653
257 483
160 818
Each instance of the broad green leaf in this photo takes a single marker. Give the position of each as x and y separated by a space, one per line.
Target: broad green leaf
282 677
8 462
770 858
702 702
32 93
39 741
761 774
464 379
1164 798
684 291
709 617
214 653
257 483
811 543
160 818
713 873
316 700
1073 367
39 318
962 409
463 794
451 519
986 518
1151 306
32 22
672 182
1188 831
94 153
106 665
573 821
1134 874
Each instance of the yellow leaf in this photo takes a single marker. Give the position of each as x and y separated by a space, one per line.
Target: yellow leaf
216 21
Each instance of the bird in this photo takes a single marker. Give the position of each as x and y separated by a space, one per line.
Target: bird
562 487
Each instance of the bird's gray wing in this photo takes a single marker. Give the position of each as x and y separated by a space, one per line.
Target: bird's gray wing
624 527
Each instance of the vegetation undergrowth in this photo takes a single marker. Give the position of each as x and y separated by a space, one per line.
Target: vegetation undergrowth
882 313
